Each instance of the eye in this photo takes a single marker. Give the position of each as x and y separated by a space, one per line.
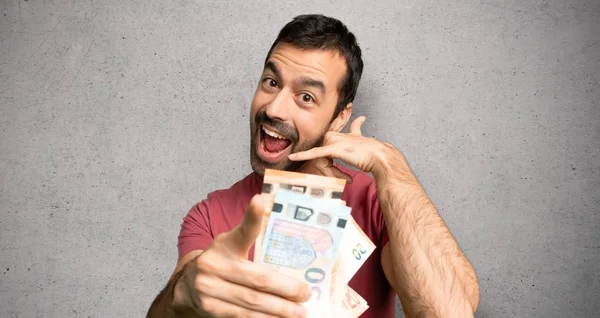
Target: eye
269 82
306 98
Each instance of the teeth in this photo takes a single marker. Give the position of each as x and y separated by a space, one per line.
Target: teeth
272 133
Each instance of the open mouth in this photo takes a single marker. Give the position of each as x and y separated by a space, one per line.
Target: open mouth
272 146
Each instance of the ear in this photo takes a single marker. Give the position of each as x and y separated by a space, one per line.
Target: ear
342 119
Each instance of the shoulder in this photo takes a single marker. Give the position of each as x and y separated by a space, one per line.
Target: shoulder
248 186
243 190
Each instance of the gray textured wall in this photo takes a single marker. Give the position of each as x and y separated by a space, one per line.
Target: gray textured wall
116 117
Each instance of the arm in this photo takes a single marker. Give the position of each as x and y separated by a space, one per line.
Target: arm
164 305
422 260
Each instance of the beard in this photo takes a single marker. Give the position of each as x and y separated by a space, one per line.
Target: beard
259 165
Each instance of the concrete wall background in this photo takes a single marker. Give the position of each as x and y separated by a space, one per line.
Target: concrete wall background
116 117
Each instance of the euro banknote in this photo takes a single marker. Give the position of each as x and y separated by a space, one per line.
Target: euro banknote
311 185
353 251
301 241
354 248
352 305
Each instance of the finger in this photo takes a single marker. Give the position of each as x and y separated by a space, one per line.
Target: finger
244 235
341 174
262 278
323 166
326 168
317 152
356 124
251 299
214 307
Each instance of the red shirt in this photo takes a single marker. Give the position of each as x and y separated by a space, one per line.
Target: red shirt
222 210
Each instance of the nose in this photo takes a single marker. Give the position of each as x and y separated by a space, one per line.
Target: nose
280 107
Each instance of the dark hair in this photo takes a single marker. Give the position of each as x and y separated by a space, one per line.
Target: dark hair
315 31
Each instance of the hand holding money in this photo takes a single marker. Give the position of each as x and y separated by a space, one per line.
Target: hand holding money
308 233
222 282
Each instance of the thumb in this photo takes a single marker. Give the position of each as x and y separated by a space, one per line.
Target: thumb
244 235
356 125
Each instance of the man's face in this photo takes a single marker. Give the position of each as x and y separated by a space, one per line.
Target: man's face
293 105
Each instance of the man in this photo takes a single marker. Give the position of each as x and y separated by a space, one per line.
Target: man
302 103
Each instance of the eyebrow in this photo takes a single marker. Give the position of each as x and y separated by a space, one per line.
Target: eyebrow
304 81
273 68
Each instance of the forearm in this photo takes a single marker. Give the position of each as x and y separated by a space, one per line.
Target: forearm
431 274
162 306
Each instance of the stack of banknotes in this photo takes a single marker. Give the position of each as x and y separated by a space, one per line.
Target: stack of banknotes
308 233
